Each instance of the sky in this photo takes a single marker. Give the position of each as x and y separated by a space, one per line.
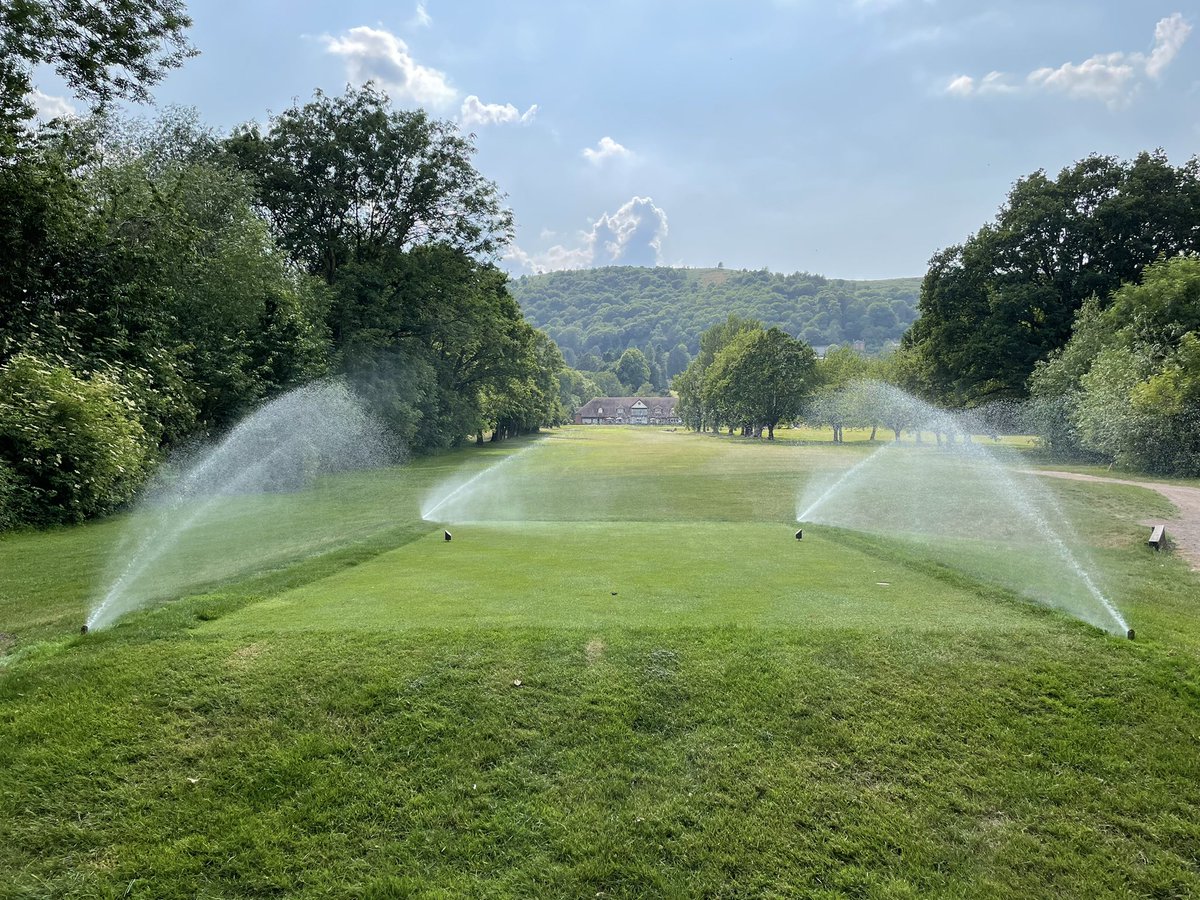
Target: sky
849 138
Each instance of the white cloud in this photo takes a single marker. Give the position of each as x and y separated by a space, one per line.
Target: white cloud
421 18
49 107
606 149
373 54
991 83
476 112
1113 78
632 236
1169 35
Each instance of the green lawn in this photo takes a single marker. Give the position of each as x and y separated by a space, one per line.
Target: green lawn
623 677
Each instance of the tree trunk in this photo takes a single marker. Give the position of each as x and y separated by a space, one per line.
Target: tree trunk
479 436
873 430
770 432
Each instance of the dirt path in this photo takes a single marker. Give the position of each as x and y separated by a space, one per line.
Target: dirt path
1183 530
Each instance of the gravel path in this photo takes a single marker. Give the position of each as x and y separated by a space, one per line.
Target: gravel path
1183 530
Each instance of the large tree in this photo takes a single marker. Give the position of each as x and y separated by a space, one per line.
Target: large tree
760 379
103 49
350 179
994 306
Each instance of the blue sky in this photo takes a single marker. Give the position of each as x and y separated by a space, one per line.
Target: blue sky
851 138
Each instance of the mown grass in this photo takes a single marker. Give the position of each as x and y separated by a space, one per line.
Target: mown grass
747 716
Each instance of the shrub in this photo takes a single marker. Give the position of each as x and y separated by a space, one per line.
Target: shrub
73 445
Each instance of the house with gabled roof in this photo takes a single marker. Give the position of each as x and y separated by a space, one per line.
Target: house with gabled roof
629 411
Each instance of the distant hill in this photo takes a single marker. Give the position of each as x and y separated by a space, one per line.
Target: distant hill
603 311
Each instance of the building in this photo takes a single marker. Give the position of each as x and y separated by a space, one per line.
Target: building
629 411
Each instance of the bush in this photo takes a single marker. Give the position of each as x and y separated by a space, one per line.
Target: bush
73 446
14 499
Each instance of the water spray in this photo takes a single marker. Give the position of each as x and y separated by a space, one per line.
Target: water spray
846 476
966 509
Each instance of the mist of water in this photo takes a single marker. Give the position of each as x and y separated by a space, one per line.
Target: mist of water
486 495
962 503
251 500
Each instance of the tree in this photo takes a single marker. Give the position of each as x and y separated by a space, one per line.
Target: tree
136 250
1127 385
693 406
994 306
349 179
760 379
632 369
677 360
107 50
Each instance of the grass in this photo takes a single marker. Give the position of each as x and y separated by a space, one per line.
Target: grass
622 678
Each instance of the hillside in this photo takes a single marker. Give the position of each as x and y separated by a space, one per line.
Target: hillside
605 310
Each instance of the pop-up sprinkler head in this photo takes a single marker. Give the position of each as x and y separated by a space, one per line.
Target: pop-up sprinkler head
800 534
448 535
1129 634
83 629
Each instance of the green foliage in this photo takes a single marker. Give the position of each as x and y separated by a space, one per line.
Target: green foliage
73 445
759 379
386 207
995 306
607 310
691 386
632 370
349 179
16 502
1127 385
103 52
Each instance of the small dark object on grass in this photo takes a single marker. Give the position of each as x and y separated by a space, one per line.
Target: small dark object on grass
800 534
1129 634
83 629
614 593
447 534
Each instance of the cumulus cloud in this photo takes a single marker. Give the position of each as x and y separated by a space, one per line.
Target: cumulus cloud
631 236
1112 78
1169 35
476 112
49 107
606 149
373 54
991 83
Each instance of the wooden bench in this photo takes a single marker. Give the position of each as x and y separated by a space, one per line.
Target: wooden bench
1158 537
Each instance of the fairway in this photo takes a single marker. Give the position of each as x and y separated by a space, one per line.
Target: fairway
624 676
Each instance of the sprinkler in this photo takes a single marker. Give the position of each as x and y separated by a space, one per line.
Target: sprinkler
800 534
83 629
448 535
1129 634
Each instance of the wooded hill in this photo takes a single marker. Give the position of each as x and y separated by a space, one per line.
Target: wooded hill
603 311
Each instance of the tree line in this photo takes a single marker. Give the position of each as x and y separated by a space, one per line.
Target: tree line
1081 302
158 281
594 315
